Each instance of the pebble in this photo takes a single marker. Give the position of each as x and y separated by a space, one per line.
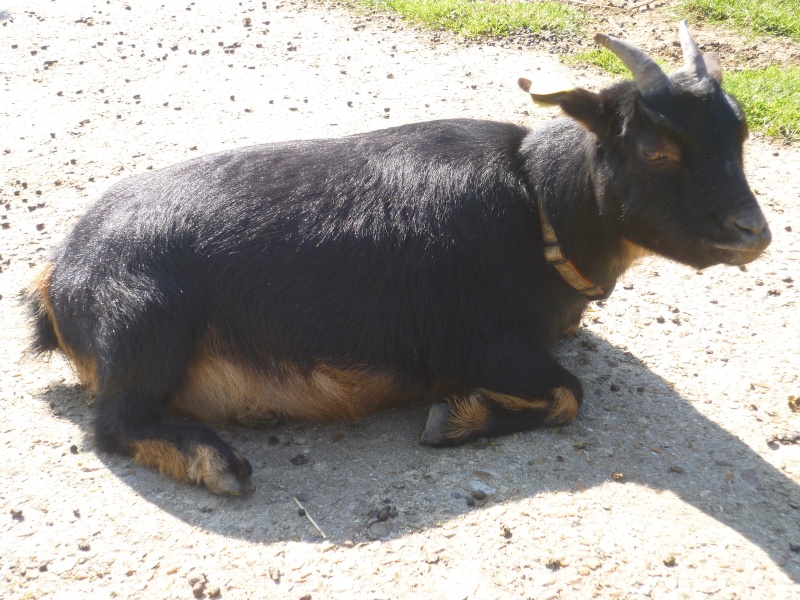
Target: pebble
677 469
299 459
618 476
794 547
273 440
84 546
670 561
379 530
479 495
383 515
199 588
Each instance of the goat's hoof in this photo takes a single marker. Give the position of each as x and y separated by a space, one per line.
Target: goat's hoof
435 431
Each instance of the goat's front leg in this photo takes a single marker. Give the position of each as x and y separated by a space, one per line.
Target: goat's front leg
514 385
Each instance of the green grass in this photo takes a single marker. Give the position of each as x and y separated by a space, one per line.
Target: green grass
479 18
770 98
775 17
598 57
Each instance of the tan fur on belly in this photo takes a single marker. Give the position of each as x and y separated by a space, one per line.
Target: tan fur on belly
220 389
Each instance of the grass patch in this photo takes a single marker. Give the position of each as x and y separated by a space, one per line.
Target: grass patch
774 17
479 18
770 98
598 57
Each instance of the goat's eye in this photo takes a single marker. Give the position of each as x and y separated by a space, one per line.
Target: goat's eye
652 155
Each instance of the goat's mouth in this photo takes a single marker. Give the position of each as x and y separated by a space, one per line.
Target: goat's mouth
743 246
739 254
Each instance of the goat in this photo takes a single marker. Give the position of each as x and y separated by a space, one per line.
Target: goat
436 261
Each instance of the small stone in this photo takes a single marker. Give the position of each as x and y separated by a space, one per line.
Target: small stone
275 574
299 459
383 515
299 441
16 514
614 387
199 588
479 495
73 449
676 469
618 476
378 530
670 561
554 564
301 512
506 532
389 76
273 440
579 445
794 547
84 545
305 597
470 502
213 591
393 512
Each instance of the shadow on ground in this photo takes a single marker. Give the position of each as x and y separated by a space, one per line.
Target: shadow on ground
644 430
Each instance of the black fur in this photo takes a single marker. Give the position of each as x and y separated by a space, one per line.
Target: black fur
415 250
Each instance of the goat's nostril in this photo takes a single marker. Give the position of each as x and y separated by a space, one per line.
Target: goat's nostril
751 223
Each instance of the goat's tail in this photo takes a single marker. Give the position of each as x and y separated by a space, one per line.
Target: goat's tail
44 338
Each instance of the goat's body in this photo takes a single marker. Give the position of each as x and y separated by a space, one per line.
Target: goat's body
332 278
314 279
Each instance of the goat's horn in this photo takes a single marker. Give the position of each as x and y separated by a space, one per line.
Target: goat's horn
649 77
692 57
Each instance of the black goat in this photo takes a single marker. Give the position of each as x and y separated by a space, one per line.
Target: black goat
439 261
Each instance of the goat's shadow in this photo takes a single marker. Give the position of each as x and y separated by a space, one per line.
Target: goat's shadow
632 420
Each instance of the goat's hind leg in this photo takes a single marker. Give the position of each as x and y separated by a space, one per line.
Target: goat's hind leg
129 422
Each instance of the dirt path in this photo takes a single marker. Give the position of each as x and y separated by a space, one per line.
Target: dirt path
687 374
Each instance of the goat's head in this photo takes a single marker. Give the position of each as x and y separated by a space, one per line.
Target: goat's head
667 157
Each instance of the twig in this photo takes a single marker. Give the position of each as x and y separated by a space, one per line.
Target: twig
614 24
596 5
124 166
642 5
308 516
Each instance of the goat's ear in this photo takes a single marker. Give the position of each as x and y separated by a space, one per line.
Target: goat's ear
713 66
582 105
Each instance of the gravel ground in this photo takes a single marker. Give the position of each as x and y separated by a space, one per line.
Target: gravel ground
680 478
